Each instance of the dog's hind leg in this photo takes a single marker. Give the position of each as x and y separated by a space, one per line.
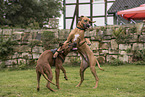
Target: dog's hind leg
42 72
50 76
93 70
57 72
83 67
38 80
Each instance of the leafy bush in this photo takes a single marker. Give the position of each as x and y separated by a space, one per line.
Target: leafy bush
7 48
128 50
138 55
132 29
49 40
118 31
121 35
139 63
103 28
75 61
22 66
33 24
2 65
116 62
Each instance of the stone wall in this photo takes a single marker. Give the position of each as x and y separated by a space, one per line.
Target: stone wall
108 42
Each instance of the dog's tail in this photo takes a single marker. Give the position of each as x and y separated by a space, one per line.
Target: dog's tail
42 72
99 65
47 78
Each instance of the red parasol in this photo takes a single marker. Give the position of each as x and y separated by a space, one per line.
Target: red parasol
137 13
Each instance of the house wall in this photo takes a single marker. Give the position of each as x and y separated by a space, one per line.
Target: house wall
98 12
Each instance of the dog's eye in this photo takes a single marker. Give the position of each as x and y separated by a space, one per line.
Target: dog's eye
85 20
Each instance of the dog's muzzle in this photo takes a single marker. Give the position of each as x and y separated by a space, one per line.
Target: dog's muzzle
86 26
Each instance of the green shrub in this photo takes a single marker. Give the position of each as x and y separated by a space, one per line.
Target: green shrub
103 28
22 67
118 32
75 61
49 40
132 29
128 50
7 48
116 62
121 35
2 65
139 63
138 55
33 24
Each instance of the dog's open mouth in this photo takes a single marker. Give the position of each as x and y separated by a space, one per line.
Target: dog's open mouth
86 26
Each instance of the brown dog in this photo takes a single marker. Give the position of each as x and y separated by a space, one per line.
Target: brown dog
46 60
88 58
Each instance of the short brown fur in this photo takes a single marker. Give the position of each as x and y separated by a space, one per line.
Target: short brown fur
45 62
88 58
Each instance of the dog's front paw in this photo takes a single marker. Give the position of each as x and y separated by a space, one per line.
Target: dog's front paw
65 78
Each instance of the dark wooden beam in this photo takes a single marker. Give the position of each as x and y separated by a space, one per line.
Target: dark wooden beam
75 3
110 15
64 15
77 11
91 11
72 23
101 16
105 12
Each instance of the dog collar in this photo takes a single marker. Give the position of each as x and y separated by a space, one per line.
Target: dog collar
81 28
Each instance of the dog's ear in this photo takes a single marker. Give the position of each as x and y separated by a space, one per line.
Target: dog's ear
79 19
92 21
60 44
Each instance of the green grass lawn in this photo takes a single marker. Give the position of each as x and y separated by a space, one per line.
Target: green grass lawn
115 81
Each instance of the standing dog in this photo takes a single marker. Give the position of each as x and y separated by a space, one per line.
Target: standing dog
88 58
46 60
